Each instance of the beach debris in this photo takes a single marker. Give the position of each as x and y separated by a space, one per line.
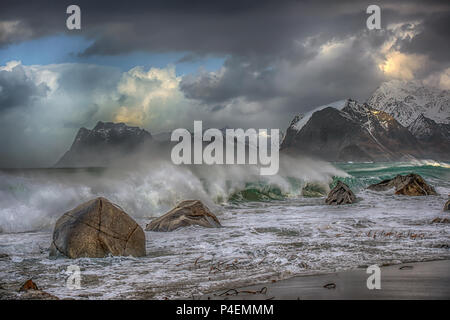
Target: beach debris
235 292
196 261
447 206
410 185
96 229
186 213
330 286
340 194
224 266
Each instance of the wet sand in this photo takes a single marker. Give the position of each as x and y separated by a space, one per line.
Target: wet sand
420 280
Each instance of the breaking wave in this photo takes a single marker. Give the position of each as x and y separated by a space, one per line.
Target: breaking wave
32 199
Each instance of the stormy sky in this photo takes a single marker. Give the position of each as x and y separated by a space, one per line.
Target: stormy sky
163 64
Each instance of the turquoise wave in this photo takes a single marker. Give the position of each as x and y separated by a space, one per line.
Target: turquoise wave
360 176
364 174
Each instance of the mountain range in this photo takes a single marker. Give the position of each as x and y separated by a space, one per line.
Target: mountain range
407 100
401 120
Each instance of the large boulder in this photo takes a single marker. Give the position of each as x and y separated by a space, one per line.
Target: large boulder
340 194
96 229
410 185
447 206
186 213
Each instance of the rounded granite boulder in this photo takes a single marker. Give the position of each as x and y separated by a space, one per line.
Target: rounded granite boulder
186 213
96 229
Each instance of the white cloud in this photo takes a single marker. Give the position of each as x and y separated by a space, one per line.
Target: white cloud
151 98
402 66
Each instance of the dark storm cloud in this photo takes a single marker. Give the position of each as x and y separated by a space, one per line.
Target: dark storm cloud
319 79
260 38
276 61
433 39
255 27
239 78
17 89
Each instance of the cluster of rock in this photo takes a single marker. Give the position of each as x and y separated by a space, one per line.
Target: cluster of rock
409 185
99 228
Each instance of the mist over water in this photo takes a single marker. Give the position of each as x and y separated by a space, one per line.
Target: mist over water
33 199
274 227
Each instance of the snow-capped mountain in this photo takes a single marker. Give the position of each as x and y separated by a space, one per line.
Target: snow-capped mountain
350 131
425 128
434 138
301 119
407 100
99 146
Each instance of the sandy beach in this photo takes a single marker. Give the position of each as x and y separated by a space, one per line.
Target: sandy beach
420 280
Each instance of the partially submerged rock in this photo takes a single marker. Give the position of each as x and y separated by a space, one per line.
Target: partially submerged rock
410 185
447 206
96 229
28 285
340 194
30 291
186 213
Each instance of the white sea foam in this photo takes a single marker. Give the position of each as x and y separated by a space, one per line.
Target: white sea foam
33 200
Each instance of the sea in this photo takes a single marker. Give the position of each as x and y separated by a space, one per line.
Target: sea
274 227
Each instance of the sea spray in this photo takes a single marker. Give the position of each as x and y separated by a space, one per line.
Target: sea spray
33 199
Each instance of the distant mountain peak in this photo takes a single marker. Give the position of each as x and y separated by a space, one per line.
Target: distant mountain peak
351 132
406 100
302 118
98 147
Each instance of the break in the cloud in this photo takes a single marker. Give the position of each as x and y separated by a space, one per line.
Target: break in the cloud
151 98
281 58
